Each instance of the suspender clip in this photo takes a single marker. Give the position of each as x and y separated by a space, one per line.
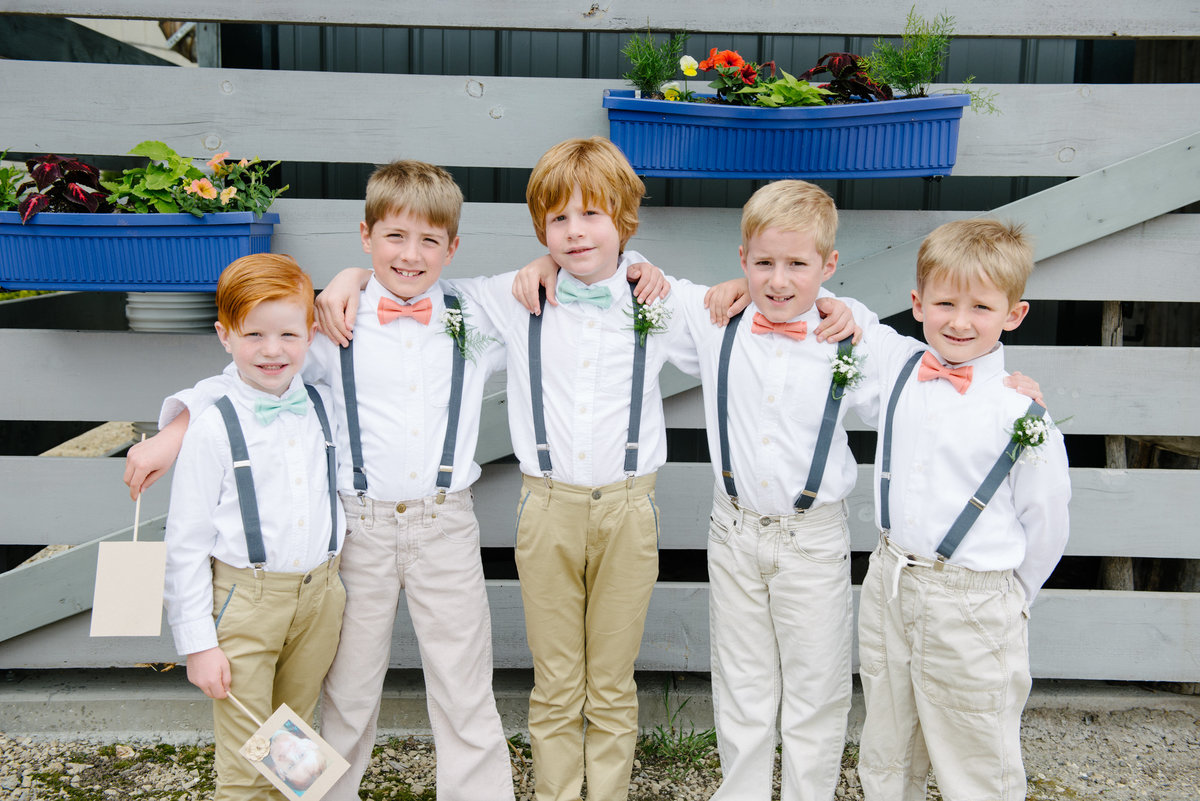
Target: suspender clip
258 570
939 563
733 500
549 481
629 481
441 496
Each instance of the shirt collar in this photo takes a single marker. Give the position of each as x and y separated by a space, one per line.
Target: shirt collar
986 366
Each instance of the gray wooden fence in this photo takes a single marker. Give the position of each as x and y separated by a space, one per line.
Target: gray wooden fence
1131 152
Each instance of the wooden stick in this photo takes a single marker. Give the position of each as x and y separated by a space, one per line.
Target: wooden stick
137 507
247 712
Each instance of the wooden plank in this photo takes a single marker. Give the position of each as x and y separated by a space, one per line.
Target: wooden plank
1027 18
1058 219
1089 385
1055 130
1108 507
1073 634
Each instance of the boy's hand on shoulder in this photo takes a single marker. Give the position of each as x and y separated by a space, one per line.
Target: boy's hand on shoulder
542 271
337 305
725 300
649 283
1026 386
837 321
148 460
209 670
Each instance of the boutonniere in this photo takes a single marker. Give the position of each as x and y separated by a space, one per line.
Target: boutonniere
649 318
847 371
1031 432
468 341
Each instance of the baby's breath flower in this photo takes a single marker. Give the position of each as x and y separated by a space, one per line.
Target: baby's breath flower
847 370
649 318
469 342
1030 432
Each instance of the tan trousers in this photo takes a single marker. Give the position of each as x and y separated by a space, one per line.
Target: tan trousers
945 671
279 632
588 559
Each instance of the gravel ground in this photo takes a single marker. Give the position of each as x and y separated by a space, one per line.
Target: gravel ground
1111 756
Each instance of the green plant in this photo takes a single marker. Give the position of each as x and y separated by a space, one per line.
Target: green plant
788 90
919 59
11 178
652 63
171 183
680 751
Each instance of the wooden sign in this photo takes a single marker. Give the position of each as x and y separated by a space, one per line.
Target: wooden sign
128 599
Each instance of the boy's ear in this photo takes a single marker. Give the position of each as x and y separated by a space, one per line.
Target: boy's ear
742 259
364 231
223 335
1016 316
830 266
918 312
312 333
450 252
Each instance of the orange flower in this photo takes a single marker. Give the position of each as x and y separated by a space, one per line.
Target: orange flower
724 58
216 161
227 194
202 187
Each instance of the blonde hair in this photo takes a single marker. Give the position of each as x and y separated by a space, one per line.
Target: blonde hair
603 176
967 249
422 189
796 206
257 278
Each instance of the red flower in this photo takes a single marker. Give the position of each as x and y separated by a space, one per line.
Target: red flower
724 58
747 74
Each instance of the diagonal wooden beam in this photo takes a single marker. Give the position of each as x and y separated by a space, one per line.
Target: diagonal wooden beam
1063 217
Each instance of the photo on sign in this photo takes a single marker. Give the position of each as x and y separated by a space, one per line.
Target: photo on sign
293 756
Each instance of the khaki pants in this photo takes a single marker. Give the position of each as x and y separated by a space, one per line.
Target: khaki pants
588 559
279 632
945 673
429 550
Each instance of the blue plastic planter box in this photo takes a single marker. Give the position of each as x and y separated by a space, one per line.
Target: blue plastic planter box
127 252
891 138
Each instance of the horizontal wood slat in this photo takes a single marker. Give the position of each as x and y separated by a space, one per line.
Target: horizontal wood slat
1056 18
1108 507
1143 636
481 121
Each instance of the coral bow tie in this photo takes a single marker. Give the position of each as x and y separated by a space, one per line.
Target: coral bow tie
389 310
931 368
267 409
761 325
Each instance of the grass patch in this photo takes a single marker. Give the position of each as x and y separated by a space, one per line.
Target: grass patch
677 751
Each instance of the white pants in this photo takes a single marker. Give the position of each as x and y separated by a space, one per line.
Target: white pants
945 674
431 551
780 616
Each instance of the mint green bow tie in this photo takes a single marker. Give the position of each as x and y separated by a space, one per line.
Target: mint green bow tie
295 402
598 296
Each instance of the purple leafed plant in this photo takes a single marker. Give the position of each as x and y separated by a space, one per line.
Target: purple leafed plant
61 185
849 82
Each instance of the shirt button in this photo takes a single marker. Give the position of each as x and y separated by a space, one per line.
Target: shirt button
300 522
412 387
413 474
408 344
764 483
779 352
583 410
297 482
291 443
587 363
582 456
595 495
591 323
296 563
770 399
766 440
416 432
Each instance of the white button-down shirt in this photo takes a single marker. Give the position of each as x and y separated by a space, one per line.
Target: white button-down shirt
777 393
291 485
402 374
587 373
944 444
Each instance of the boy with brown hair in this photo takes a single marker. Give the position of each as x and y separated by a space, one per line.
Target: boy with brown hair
254 530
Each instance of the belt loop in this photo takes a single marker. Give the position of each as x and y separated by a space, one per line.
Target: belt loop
549 491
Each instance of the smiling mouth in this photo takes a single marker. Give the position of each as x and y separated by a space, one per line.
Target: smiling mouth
407 273
780 298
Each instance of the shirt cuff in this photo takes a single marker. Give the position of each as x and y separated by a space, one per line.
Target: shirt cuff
195 635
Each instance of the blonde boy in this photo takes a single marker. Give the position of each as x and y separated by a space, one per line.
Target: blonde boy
778 549
945 603
409 392
252 589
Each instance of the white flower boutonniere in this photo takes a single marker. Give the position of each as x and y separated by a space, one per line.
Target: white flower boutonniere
1030 432
847 371
649 318
468 341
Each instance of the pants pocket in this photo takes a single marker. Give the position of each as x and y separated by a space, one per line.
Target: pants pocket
964 647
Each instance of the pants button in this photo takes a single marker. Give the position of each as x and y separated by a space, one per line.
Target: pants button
307 579
766 521
595 495
400 508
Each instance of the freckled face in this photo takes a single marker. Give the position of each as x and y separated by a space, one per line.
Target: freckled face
270 348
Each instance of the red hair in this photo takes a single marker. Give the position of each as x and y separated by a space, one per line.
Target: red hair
260 277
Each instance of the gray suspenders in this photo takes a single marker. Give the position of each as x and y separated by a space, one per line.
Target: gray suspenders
446 467
248 500
539 411
816 470
971 511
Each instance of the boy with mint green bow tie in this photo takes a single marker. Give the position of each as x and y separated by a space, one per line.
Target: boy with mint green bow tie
254 531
